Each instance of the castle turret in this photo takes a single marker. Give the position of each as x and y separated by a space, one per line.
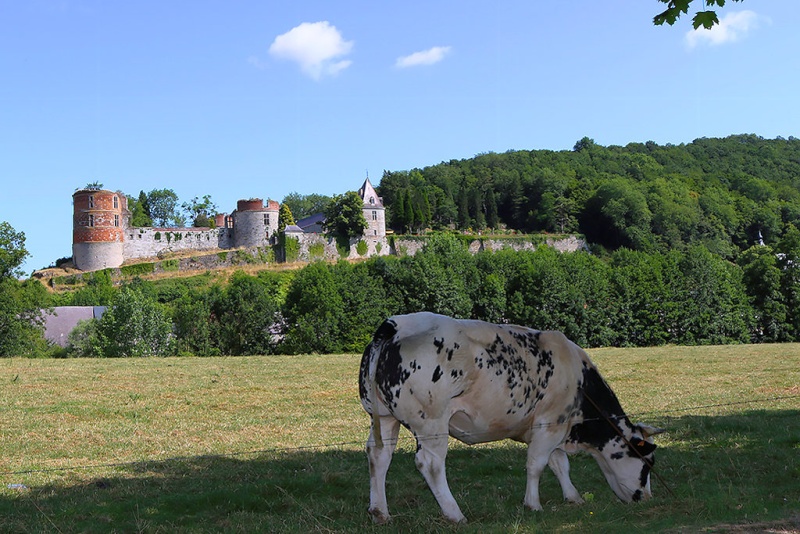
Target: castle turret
98 224
253 223
374 212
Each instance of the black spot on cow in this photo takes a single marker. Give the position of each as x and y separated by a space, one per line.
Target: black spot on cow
439 344
390 373
617 455
596 429
364 372
648 464
437 374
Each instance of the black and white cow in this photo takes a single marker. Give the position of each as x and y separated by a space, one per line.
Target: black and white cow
481 382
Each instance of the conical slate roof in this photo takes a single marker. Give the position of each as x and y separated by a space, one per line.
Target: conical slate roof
369 196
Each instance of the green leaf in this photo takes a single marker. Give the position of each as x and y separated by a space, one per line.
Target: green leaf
706 19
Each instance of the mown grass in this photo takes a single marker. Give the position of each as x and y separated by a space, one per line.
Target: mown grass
275 444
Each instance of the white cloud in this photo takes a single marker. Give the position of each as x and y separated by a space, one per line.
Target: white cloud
731 28
317 47
426 57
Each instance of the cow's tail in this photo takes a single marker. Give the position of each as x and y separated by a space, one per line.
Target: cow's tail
373 352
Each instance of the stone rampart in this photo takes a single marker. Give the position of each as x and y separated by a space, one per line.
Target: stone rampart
155 242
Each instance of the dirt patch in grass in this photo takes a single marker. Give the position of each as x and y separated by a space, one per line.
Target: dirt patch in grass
791 390
786 526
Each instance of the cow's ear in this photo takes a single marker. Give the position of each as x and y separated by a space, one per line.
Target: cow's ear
648 431
644 447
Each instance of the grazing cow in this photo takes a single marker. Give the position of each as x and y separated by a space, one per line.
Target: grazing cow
481 382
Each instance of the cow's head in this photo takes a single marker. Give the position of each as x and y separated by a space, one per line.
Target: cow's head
626 461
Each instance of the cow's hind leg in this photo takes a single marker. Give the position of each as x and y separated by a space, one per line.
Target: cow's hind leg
430 460
379 460
559 464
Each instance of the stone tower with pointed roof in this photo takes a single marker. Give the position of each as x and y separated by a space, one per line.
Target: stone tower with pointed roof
374 212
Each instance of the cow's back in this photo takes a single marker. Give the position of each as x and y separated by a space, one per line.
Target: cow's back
490 381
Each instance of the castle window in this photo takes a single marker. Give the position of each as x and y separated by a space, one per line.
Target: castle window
91 221
374 215
91 201
116 218
266 219
116 203
372 200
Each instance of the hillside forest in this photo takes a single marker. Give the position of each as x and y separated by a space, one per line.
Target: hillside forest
687 244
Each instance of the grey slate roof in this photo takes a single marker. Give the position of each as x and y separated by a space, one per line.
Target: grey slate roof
63 319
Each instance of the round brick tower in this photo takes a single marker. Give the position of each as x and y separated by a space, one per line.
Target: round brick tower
253 223
98 223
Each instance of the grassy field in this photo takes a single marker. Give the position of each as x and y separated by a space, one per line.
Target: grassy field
275 444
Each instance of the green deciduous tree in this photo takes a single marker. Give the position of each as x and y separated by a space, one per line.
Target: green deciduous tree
20 316
98 291
21 322
163 208
303 206
789 263
762 280
12 251
246 314
135 325
645 307
344 216
313 312
711 299
617 215
140 211
200 211
195 330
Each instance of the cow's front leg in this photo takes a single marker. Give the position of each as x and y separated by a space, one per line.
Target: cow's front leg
430 460
559 464
379 460
541 446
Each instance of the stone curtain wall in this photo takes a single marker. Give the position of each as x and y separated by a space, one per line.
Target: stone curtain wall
152 242
316 246
313 247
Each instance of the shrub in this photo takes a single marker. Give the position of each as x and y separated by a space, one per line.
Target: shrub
316 251
291 248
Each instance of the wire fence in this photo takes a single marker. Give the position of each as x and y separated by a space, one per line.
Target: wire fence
666 414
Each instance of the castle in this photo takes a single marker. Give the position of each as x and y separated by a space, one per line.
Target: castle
103 237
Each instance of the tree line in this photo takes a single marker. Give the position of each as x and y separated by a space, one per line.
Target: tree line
725 194
625 298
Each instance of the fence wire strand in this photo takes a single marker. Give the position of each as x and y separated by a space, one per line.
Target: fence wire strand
301 448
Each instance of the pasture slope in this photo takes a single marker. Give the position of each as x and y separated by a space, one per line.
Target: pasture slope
275 444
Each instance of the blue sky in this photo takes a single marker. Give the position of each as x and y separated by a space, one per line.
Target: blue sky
240 99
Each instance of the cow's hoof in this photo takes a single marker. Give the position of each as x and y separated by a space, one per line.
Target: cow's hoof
378 517
459 520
